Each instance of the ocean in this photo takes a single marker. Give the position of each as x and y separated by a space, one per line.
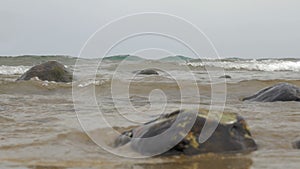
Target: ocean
40 127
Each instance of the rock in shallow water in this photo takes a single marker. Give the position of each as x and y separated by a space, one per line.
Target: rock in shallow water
225 77
178 133
296 144
51 71
278 92
148 72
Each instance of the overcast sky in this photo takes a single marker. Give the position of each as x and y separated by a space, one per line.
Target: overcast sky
238 28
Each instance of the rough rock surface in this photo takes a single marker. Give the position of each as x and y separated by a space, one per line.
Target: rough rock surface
51 71
178 133
278 92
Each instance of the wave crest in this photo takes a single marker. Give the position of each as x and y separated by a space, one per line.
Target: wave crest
252 65
12 70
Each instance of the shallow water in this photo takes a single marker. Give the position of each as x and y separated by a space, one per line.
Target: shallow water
40 128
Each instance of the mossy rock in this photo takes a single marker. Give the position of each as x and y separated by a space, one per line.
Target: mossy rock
178 133
50 71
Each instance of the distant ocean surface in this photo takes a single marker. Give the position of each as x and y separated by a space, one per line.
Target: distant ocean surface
18 65
40 129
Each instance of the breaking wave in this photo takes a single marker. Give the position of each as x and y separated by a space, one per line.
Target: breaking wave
252 65
11 70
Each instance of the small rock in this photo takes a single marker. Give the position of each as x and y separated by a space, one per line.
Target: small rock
225 76
296 144
148 72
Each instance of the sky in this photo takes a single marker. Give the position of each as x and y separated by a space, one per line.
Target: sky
237 28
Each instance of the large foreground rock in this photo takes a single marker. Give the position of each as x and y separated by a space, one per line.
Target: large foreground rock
278 92
178 133
51 71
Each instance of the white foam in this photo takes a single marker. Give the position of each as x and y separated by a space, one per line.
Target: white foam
91 82
11 70
254 65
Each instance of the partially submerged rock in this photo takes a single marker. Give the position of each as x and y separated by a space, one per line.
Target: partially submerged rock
296 144
225 77
148 72
278 92
51 71
178 133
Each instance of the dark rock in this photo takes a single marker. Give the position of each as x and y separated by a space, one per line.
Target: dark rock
296 144
278 92
51 71
225 76
139 101
177 133
148 72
